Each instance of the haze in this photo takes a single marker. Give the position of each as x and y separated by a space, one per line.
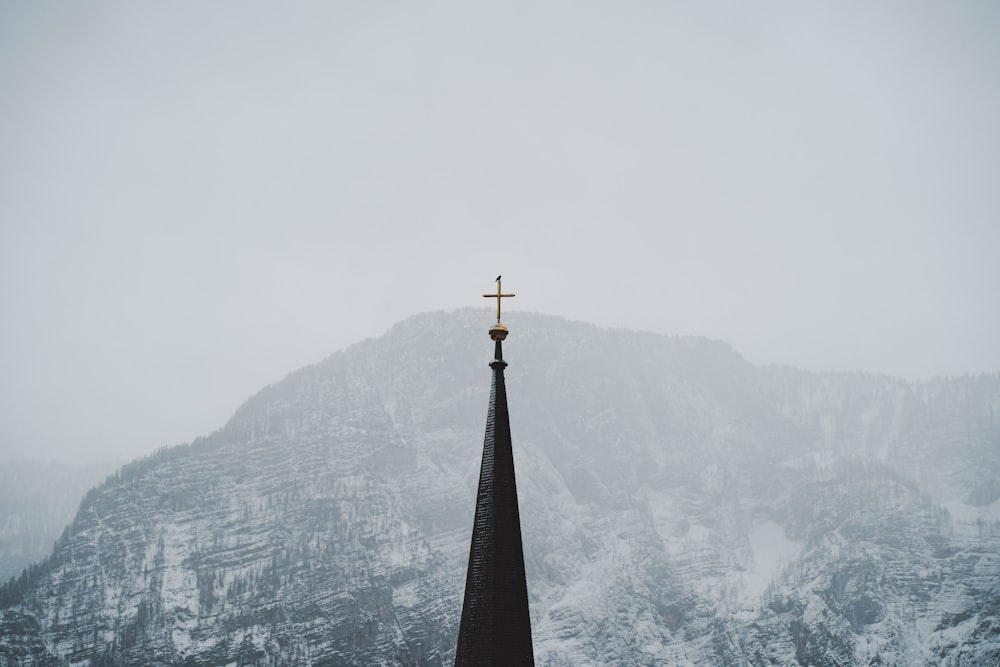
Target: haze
195 199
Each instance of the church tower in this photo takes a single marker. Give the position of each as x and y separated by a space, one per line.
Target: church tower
496 627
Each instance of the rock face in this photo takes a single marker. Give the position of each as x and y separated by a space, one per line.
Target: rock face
679 505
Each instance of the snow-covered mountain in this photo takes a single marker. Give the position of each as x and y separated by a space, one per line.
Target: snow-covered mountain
37 501
679 505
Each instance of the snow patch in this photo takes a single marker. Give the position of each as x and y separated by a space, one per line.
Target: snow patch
772 551
406 595
179 591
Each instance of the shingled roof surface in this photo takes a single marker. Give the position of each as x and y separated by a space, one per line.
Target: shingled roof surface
496 627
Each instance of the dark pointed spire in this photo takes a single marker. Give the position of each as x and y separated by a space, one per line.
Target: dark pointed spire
496 626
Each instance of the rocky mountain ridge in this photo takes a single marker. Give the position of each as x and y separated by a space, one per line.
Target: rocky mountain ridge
37 501
679 506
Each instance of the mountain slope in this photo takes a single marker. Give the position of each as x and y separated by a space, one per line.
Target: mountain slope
37 501
679 505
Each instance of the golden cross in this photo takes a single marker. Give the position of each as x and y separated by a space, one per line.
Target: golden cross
499 295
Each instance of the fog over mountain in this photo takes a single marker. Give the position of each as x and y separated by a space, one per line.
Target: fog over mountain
37 501
679 505
197 196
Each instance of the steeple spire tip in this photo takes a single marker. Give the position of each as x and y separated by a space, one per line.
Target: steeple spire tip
496 621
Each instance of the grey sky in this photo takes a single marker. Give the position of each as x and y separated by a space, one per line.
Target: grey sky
196 198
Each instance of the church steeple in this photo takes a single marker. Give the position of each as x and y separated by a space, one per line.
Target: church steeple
496 626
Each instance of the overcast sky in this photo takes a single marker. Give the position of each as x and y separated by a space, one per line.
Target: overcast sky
197 198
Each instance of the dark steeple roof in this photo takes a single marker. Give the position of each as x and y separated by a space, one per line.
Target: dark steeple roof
496 627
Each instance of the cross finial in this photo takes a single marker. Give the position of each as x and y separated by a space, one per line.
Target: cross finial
499 295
